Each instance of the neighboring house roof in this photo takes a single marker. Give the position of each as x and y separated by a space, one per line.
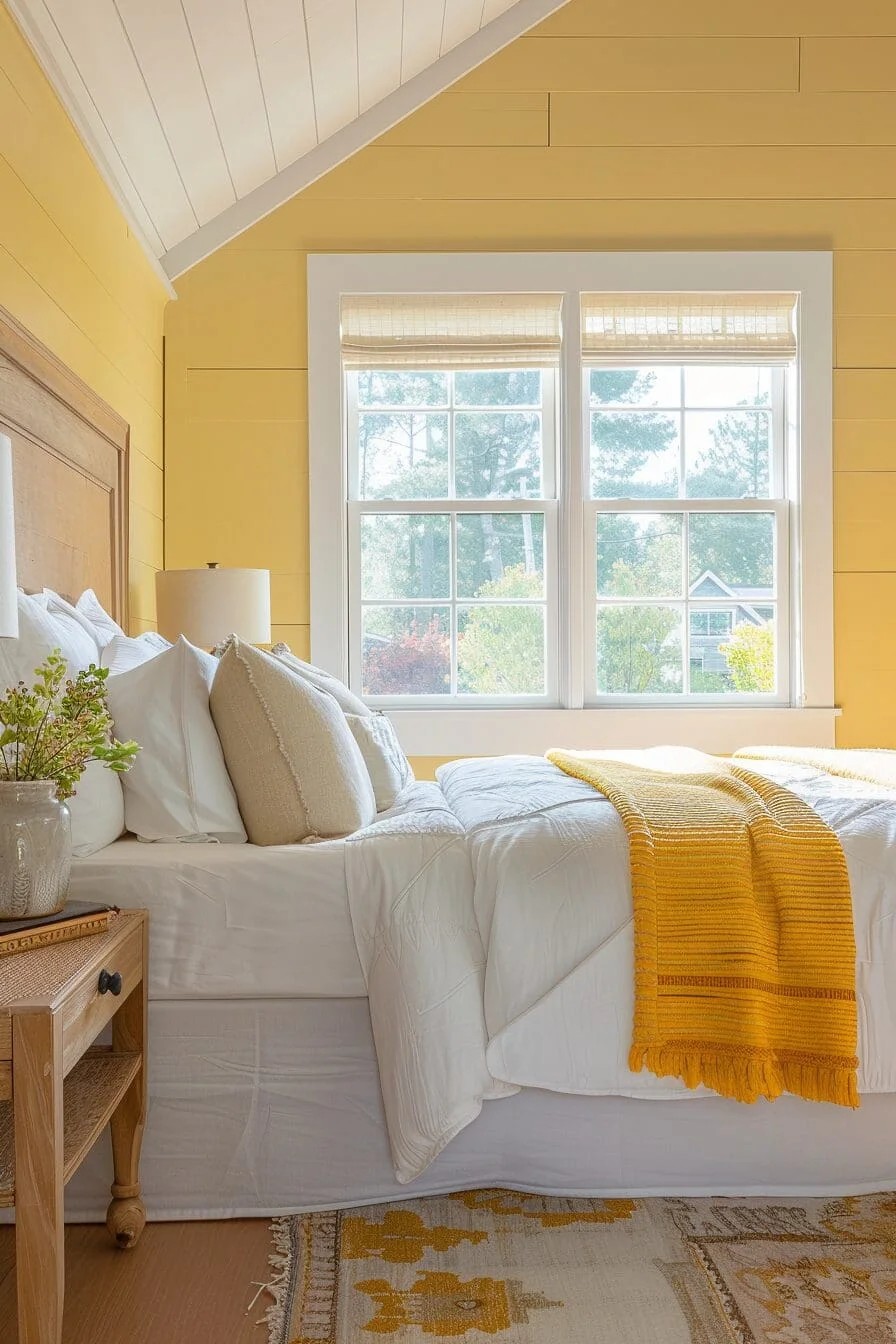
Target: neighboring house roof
709 585
205 115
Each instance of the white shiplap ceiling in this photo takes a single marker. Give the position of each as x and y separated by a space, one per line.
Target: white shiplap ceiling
204 115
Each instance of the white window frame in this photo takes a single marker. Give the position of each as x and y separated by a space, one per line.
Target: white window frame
484 729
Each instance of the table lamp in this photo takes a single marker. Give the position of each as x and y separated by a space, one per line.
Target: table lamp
207 605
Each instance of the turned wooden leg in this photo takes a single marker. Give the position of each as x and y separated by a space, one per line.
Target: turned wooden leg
37 1101
126 1216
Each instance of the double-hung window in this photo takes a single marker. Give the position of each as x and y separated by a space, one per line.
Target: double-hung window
573 483
451 435
688 520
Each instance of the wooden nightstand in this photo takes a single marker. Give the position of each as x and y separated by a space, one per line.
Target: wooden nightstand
57 1095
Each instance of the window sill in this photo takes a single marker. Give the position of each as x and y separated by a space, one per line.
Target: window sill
499 732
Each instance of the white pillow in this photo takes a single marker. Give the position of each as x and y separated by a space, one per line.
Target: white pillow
39 633
347 701
297 770
178 788
123 652
70 622
105 627
97 810
389 769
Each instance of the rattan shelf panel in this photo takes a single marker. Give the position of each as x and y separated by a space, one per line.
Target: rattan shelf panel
91 1093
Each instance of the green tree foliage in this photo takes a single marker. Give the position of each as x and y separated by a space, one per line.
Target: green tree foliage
751 657
638 646
623 444
501 648
404 454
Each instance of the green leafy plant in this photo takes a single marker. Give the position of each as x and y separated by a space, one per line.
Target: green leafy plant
57 727
751 657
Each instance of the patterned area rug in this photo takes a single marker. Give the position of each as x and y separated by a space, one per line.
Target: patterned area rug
534 1270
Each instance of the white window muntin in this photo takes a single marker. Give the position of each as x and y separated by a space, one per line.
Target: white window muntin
453 507
779 599
787 667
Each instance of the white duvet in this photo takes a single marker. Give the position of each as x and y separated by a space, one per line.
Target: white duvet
494 927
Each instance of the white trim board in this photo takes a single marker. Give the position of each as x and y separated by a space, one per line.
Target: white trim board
376 121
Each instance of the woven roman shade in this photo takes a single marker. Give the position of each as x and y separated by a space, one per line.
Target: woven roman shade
450 331
754 328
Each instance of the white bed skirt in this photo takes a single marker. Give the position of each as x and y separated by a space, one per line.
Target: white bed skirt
264 1107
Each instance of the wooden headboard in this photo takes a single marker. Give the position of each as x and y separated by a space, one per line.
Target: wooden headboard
70 474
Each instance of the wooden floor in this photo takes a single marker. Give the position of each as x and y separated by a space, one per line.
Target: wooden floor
184 1283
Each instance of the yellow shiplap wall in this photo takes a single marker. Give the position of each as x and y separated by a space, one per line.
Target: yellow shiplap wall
72 273
615 125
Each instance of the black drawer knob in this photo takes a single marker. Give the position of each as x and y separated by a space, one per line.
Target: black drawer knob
110 982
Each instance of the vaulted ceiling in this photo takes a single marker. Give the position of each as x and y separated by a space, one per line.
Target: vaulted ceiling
204 115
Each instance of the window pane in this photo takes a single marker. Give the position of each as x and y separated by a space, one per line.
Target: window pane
391 387
639 650
732 554
639 554
498 387
501 650
497 454
406 651
402 456
634 455
659 386
739 661
405 555
728 454
500 555
728 385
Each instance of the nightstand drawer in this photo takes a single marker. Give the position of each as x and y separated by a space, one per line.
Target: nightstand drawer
100 994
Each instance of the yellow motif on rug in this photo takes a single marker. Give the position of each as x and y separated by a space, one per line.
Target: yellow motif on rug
486 1265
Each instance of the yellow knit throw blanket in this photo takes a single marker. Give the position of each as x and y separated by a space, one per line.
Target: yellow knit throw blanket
744 944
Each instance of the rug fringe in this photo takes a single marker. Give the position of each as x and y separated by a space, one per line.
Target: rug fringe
280 1261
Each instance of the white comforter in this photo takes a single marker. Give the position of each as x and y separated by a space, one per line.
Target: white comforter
494 926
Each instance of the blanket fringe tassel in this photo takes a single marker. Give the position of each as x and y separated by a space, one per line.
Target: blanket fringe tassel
731 1075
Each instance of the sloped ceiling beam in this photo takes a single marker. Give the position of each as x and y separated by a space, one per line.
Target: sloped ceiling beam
374 122
43 36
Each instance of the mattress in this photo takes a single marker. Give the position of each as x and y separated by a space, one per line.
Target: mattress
233 921
240 921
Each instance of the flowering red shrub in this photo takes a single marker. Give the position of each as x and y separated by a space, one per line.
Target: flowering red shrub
415 662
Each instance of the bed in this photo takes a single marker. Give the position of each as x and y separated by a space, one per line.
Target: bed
267 1098
269 1018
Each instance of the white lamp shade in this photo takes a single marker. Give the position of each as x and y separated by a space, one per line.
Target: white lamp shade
9 609
207 605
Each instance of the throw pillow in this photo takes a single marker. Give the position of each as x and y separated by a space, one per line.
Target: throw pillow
297 770
389 769
178 787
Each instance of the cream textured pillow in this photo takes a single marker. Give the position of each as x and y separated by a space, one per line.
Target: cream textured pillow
297 770
347 701
388 767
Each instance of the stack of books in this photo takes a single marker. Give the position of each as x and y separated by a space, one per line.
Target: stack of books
76 919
